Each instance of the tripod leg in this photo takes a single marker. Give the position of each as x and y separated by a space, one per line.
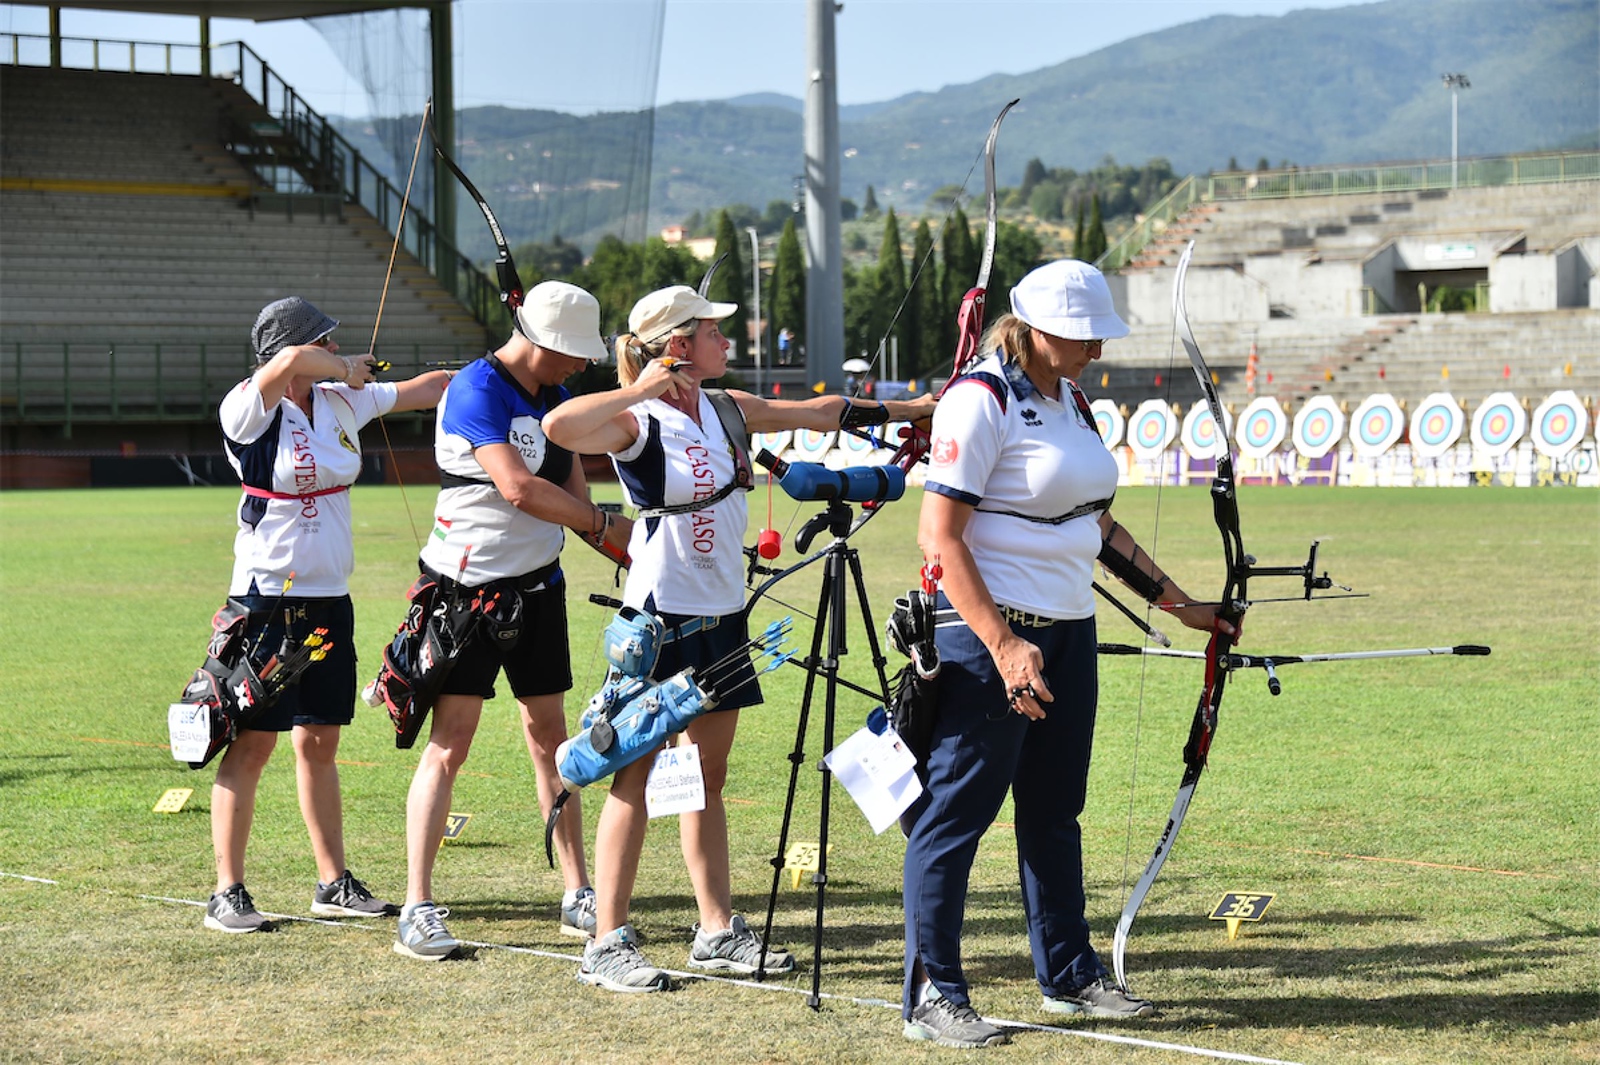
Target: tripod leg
879 662
796 757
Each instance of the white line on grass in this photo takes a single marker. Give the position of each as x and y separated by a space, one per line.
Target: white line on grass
1105 1037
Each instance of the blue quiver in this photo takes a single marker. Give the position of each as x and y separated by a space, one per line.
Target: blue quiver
627 720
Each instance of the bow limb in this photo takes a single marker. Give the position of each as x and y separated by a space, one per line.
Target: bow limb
383 295
505 269
969 319
1234 602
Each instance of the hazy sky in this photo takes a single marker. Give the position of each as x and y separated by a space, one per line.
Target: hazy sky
585 56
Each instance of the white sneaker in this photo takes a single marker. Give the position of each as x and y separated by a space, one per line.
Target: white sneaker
423 934
613 962
736 949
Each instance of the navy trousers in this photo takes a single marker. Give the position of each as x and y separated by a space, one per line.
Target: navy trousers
981 748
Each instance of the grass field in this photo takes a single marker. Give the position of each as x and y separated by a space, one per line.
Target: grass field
1429 825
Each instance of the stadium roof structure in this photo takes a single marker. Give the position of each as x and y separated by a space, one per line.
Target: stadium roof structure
254 10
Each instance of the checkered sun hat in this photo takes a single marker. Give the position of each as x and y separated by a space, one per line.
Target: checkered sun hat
287 322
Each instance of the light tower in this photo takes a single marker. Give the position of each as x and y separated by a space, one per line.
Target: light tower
1455 83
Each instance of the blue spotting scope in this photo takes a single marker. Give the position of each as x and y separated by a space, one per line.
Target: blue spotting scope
806 481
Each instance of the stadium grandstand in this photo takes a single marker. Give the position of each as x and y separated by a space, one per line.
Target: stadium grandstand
148 209
1333 279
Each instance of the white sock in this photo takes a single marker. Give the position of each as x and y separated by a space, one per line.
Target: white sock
569 897
926 991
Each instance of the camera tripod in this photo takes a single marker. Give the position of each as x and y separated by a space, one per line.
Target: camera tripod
828 646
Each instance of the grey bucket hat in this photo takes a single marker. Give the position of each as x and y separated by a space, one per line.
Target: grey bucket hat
287 322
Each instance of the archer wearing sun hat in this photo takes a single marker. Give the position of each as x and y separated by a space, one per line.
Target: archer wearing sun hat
507 499
1017 508
292 431
678 447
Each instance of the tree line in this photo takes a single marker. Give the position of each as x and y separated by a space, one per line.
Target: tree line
907 297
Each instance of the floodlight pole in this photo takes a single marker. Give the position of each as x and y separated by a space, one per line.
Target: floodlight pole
1455 83
755 283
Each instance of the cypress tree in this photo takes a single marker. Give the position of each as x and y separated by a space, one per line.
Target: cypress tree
890 289
789 289
921 317
729 285
1097 231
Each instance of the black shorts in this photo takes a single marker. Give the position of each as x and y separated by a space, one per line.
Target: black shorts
537 664
719 655
325 694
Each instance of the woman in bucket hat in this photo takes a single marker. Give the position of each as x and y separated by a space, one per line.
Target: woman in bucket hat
507 496
674 454
292 436
1016 509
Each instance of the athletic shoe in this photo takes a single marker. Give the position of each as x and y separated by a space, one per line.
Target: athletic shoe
939 1021
1103 998
423 934
613 962
578 918
232 910
736 949
349 897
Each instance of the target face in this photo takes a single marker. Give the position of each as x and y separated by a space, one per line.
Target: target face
1559 424
1498 424
1262 428
814 444
854 446
1435 425
1318 426
1151 429
1200 436
1377 425
1108 422
776 443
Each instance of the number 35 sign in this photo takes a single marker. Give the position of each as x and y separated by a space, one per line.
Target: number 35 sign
1238 906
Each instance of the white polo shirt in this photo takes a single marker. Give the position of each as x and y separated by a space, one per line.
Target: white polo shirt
693 563
286 451
999 445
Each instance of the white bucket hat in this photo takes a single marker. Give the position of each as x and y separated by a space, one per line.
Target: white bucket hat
1068 299
563 318
666 309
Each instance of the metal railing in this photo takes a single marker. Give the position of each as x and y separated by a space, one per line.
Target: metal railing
67 384
308 154
1487 172
1154 222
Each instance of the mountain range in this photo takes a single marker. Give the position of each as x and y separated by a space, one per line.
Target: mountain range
1354 84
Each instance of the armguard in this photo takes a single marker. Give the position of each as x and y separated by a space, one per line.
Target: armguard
1144 586
854 417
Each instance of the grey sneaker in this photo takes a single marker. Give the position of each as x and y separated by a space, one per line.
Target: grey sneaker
938 1020
423 934
613 962
736 949
578 919
232 910
1102 998
349 897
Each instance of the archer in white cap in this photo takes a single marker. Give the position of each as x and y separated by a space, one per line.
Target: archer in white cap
507 498
671 440
1017 509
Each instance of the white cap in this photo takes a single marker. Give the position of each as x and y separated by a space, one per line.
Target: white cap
1068 299
563 318
666 309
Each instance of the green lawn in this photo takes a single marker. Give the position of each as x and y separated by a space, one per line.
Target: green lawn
1429 825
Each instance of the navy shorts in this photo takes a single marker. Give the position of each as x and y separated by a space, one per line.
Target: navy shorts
719 655
325 694
538 663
